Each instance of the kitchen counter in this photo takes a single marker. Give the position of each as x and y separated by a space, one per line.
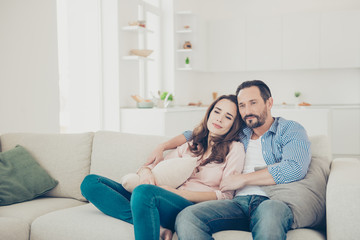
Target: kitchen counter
319 106
333 120
169 109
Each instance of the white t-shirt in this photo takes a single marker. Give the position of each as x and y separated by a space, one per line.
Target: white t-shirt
253 159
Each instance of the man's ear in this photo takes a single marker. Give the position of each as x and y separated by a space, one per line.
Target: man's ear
270 102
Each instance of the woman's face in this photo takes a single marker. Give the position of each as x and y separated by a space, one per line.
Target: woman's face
222 117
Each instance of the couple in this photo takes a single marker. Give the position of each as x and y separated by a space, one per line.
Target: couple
280 147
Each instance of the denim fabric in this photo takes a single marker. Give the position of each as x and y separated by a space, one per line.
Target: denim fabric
265 218
147 207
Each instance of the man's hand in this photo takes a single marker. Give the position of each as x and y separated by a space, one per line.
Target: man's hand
156 156
233 182
239 181
146 176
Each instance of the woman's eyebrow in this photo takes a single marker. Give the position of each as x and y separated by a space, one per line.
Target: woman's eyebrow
229 114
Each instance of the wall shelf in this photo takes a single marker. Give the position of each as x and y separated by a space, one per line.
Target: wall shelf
137 58
184 31
184 50
136 29
184 69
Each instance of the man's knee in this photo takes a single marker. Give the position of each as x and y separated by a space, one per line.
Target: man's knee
271 220
274 210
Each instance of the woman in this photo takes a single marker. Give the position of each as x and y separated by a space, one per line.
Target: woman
148 207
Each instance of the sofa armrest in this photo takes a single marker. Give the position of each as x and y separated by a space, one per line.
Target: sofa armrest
342 199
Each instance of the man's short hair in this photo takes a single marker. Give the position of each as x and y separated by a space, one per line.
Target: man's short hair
264 89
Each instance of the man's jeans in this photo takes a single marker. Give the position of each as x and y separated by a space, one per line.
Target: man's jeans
265 218
147 207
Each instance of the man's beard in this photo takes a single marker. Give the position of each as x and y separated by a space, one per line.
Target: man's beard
258 121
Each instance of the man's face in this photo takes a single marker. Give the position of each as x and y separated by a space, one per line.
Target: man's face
252 108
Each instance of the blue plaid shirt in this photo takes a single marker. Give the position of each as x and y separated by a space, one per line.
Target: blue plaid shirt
285 147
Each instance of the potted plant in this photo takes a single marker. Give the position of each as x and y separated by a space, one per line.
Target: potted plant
166 99
297 95
187 62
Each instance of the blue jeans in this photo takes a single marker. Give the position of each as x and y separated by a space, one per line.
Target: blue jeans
265 218
147 207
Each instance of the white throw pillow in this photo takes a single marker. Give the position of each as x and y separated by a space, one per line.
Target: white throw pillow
172 172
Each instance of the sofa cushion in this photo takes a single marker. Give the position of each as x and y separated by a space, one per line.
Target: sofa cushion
66 157
88 223
80 223
22 178
14 229
30 210
307 197
116 154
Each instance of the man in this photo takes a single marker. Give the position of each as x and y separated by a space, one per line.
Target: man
280 148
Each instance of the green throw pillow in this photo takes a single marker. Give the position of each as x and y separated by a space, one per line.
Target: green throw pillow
21 177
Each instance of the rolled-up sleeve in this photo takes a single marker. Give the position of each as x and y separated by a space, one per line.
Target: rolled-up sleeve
295 153
188 135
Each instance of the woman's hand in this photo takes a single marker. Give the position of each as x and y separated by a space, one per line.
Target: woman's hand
146 176
171 189
156 156
191 195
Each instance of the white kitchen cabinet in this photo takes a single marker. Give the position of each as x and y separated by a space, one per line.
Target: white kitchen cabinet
160 121
301 38
340 40
263 43
346 131
226 45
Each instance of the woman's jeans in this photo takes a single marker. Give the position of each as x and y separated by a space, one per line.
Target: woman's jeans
265 218
147 207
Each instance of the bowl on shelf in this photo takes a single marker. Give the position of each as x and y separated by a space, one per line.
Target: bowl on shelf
145 104
141 52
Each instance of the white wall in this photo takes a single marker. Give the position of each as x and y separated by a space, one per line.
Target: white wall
29 97
333 86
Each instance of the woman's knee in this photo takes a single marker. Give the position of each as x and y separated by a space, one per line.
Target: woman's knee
88 183
143 193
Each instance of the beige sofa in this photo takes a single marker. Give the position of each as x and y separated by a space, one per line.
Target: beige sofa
64 214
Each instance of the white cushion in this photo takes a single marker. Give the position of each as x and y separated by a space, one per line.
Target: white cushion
14 229
30 210
66 157
80 223
171 172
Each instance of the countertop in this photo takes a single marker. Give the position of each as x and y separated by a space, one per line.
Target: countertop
276 106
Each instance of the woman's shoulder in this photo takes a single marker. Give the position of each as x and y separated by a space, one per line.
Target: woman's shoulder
237 146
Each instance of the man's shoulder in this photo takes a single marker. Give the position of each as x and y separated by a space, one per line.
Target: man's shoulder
285 127
286 124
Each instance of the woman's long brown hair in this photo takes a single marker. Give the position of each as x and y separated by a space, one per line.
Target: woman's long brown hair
221 144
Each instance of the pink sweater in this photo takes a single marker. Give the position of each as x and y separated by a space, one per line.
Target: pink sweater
208 178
